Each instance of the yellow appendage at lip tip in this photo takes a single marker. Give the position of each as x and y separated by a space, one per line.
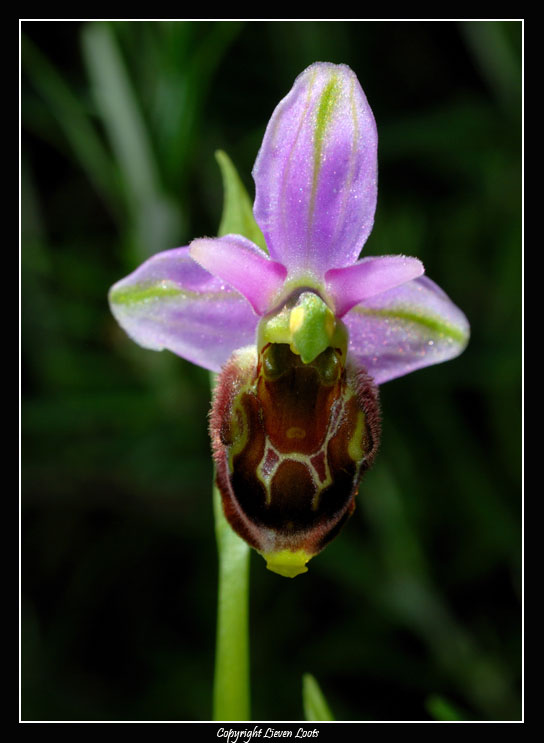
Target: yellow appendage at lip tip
287 563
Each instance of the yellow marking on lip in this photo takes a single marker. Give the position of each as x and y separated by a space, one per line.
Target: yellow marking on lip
295 433
356 445
239 428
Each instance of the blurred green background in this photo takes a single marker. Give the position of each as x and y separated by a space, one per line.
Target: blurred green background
414 612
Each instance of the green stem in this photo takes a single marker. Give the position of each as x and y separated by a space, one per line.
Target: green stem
231 681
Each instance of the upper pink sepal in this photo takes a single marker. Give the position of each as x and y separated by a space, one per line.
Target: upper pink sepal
243 265
370 276
316 173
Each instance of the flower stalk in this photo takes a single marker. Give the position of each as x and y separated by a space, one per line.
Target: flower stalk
231 697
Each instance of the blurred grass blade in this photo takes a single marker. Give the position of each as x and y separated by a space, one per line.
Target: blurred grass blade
237 217
190 63
490 46
441 709
72 117
315 706
119 110
155 221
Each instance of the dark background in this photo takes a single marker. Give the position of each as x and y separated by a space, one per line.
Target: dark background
413 613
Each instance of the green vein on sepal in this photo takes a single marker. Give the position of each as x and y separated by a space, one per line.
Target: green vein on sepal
143 294
327 103
433 324
138 294
237 217
315 705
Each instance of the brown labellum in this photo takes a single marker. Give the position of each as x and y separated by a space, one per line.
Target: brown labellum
291 441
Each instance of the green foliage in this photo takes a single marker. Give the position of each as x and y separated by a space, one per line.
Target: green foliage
237 217
315 705
442 710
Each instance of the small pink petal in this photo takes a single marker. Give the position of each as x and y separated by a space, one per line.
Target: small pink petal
242 265
370 276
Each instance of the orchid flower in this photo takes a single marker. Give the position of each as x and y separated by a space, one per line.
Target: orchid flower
303 334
